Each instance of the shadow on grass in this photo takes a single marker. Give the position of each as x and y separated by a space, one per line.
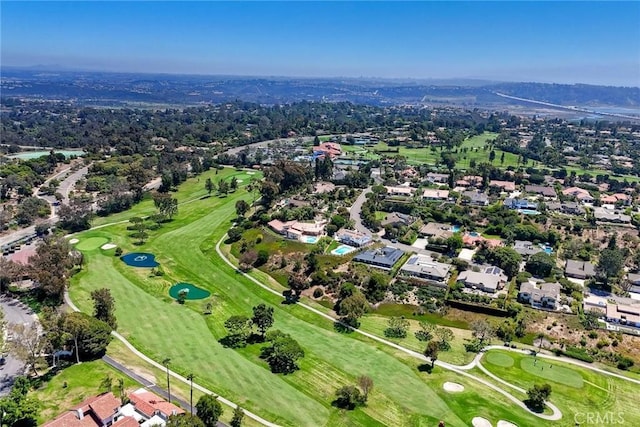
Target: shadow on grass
290 297
425 367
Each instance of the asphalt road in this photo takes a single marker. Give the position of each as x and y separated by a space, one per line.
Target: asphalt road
14 312
160 391
65 188
354 214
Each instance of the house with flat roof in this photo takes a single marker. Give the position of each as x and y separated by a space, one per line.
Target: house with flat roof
435 194
623 314
491 279
579 269
384 258
610 215
544 295
423 267
352 238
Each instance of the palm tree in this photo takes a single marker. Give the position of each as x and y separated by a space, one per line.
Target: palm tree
166 362
190 378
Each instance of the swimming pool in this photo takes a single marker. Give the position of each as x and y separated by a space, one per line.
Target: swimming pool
548 249
310 239
343 250
455 228
473 234
529 211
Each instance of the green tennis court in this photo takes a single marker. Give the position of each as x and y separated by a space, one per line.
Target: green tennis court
193 292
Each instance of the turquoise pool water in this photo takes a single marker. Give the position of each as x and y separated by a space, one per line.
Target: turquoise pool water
310 239
343 250
547 249
474 234
455 228
529 211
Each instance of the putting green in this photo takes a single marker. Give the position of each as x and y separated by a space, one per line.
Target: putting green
500 359
91 243
193 292
551 372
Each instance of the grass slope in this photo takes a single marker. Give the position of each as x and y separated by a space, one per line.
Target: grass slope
162 328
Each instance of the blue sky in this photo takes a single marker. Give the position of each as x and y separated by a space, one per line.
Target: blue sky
589 42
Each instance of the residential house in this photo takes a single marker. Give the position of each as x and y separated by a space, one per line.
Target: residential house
540 190
149 407
634 282
579 269
384 258
96 411
569 208
397 219
610 215
519 204
439 178
297 229
435 194
436 229
507 186
623 314
330 149
491 279
545 295
475 198
352 238
579 193
425 268
404 191
526 248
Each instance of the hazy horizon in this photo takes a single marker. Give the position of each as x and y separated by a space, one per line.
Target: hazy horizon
546 42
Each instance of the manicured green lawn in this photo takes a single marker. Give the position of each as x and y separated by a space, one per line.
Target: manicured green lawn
499 359
74 384
160 327
91 243
576 391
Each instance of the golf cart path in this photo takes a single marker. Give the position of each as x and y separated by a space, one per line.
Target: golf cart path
147 359
556 414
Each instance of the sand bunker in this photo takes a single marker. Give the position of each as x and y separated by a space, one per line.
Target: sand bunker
108 246
74 241
503 423
480 422
453 387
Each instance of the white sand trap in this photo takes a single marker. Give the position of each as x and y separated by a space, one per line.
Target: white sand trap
74 241
108 246
453 387
239 181
480 422
503 423
251 173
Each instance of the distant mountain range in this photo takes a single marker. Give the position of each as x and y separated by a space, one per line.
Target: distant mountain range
101 88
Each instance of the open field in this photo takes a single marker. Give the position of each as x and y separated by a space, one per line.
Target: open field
158 326
576 391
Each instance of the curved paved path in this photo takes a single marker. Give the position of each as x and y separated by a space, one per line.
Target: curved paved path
556 414
147 359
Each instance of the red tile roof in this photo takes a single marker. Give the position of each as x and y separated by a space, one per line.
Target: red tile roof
148 403
126 422
94 409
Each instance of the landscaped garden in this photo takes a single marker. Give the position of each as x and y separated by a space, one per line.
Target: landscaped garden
161 328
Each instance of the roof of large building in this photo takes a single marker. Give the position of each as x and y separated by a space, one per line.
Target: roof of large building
540 189
424 264
537 292
580 268
432 193
385 257
479 279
